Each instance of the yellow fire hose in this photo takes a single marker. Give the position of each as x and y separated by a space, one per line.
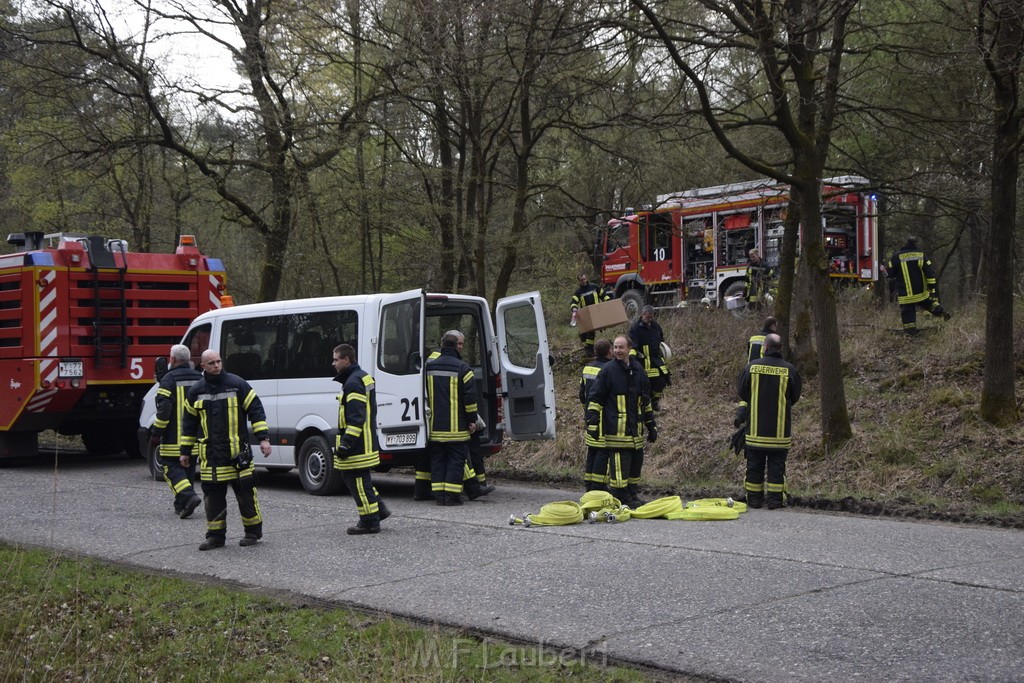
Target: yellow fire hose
601 506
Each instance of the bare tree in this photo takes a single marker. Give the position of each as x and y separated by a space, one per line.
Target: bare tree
799 47
1000 31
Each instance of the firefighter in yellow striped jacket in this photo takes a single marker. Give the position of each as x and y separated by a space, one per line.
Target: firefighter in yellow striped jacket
768 388
619 401
357 448
586 294
214 422
166 432
451 399
594 434
916 285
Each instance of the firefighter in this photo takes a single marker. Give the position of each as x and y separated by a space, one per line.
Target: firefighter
618 401
755 347
593 434
357 448
758 276
912 271
768 388
217 407
646 337
474 474
166 433
586 294
451 399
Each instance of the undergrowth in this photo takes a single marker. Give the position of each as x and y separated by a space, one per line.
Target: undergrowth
918 438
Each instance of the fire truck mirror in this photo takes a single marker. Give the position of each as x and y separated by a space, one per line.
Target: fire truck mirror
161 368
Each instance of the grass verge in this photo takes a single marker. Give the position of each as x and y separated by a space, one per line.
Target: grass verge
68 618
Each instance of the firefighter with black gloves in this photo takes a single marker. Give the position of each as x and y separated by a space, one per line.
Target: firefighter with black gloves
214 420
916 286
757 278
451 399
166 432
618 402
594 434
646 336
768 388
357 448
586 294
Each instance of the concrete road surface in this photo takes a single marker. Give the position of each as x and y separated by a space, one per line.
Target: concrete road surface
775 595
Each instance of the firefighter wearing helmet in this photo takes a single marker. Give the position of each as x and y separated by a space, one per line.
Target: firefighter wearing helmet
647 338
587 294
916 285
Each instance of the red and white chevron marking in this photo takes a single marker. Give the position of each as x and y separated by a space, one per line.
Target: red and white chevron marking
49 365
214 291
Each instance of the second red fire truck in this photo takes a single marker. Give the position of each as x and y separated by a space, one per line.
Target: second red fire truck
82 322
693 247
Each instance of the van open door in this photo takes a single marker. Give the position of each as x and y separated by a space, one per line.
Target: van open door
527 382
398 371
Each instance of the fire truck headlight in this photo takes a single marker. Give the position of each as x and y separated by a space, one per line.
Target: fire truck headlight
75 383
45 384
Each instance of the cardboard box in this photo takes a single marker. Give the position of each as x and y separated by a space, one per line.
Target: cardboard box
602 315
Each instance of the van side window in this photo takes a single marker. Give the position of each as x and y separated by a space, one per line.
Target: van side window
245 344
198 340
522 335
399 348
311 338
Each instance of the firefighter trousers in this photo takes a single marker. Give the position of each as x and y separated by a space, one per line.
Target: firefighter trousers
636 463
421 487
360 485
587 339
593 479
179 479
215 494
447 467
908 313
618 462
759 462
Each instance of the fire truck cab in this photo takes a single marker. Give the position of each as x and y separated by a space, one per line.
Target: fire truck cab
82 322
693 247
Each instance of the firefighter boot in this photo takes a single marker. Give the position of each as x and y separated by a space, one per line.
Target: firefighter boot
212 542
755 499
190 506
474 490
368 524
382 510
773 501
421 490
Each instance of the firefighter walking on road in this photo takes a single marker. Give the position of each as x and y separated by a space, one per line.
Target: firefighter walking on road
768 388
357 448
916 285
587 294
166 433
451 398
647 336
214 424
594 434
618 402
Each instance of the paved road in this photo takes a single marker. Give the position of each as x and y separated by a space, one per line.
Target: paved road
774 595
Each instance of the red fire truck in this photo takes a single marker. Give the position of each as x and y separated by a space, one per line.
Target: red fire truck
82 322
693 246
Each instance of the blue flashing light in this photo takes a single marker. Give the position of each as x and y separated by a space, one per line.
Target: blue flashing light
215 264
39 258
874 197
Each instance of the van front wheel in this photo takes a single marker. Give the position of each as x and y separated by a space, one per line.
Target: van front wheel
316 468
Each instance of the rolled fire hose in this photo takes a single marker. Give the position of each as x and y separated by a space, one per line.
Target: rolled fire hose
559 513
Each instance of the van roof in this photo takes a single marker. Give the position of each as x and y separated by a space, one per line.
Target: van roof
272 307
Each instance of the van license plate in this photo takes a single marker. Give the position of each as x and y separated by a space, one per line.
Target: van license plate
70 368
407 439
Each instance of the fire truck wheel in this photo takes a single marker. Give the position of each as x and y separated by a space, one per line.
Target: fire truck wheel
316 467
155 468
633 300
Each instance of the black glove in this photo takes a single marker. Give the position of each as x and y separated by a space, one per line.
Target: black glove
652 432
668 379
738 440
742 415
243 459
347 447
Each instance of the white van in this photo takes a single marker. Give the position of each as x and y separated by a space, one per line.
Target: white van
284 350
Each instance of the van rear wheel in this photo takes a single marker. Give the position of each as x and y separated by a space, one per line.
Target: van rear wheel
316 468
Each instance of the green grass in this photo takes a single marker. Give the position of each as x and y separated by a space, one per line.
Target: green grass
77 619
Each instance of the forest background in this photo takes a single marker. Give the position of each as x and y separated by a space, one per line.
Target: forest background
476 146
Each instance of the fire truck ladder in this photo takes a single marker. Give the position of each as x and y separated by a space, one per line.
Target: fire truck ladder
113 328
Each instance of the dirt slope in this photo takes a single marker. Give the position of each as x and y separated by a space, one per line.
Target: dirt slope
919 446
